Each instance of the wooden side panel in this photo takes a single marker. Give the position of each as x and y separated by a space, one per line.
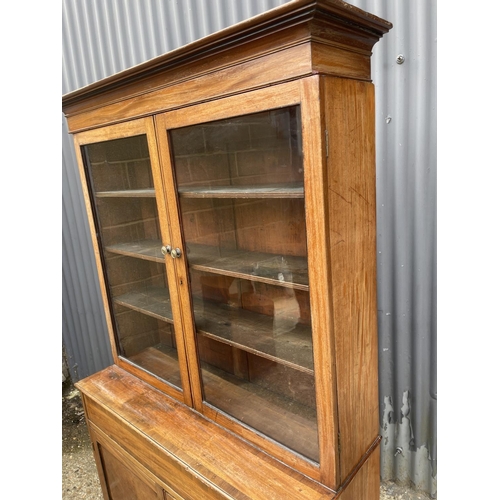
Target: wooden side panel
95 451
366 483
349 117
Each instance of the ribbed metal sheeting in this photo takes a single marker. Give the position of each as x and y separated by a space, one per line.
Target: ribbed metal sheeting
406 128
102 37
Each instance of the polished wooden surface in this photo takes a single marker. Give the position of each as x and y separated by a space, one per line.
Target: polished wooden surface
127 465
365 483
122 483
320 276
327 36
350 120
147 425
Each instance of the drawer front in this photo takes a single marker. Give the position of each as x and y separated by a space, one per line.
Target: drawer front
121 482
179 479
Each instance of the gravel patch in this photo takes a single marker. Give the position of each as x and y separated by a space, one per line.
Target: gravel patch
393 491
79 472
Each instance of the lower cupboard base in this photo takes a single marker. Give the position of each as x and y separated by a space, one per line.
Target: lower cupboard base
149 446
365 482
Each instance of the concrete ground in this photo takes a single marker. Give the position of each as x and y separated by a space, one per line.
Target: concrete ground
79 473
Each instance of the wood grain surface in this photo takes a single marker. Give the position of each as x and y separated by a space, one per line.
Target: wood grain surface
350 118
203 457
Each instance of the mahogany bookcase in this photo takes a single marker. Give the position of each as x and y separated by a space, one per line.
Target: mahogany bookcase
230 186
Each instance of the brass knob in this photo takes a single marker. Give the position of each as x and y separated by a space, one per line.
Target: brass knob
175 254
166 249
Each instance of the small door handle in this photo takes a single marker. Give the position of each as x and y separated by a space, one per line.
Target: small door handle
175 254
166 249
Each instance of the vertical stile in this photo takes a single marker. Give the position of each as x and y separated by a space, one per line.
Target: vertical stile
163 203
350 117
315 185
178 267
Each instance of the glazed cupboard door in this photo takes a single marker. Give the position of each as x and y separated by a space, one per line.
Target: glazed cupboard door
120 164
237 170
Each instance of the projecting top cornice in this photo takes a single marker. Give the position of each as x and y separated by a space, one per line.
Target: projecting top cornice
313 36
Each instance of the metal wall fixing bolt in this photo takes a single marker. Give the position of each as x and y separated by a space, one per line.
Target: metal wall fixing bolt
399 450
400 59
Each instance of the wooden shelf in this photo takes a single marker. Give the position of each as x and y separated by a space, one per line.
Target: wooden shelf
254 266
284 420
254 333
146 250
243 329
289 271
161 361
127 193
152 301
258 191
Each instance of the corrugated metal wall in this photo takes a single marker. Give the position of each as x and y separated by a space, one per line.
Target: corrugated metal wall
101 37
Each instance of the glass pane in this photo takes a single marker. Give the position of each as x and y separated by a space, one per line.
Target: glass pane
241 192
124 200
